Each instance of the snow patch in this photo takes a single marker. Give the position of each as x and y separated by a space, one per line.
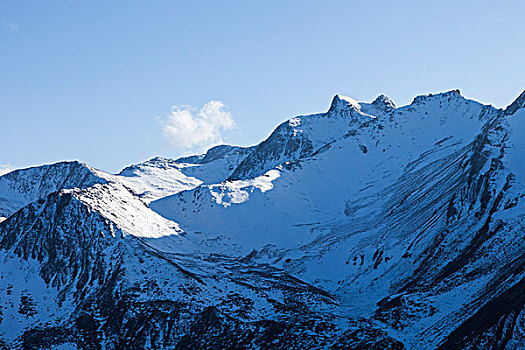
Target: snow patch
238 191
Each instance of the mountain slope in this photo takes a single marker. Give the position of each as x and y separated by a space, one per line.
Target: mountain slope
76 278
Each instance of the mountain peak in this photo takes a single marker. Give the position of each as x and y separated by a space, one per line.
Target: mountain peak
518 103
340 102
384 103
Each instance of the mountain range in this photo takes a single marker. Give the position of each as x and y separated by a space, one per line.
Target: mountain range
369 226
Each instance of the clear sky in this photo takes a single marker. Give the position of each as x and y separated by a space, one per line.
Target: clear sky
96 80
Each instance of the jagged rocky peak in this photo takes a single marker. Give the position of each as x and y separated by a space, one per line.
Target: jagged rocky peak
341 102
427 97
384 103
517 104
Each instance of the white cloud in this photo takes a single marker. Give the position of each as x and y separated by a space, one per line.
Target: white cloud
5 168
187 128
9 26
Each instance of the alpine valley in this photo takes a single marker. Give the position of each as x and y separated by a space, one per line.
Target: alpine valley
369 226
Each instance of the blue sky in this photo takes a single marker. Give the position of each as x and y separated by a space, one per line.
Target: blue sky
96 80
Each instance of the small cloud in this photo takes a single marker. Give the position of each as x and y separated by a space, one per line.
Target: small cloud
188 128
6 168
9 26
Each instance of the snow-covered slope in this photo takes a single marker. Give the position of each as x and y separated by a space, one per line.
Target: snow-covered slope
365 227
160 177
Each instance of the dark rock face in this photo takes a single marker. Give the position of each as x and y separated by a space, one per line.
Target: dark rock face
517 104
384 103
223 151
210 330
284 144
31 233
496 325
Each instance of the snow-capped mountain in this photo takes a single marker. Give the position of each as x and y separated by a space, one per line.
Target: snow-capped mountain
21 187
369 226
